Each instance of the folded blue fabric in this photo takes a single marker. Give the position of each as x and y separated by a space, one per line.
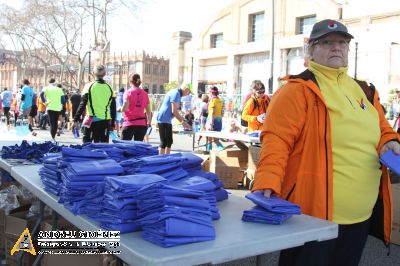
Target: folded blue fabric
152 216
51 158
180 227
161 201
174 174
71 176
71 152
33 153
194 183
159 189
392 161
210 176
260 215
123 228
221 194
273 204
98 167
173 241
132 182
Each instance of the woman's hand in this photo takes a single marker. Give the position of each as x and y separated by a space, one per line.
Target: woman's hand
267 192
391 145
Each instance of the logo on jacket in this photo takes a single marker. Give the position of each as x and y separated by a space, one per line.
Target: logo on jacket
362 104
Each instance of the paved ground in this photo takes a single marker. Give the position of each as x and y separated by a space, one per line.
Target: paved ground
375 253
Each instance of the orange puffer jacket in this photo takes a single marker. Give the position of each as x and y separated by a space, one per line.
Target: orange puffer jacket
296 156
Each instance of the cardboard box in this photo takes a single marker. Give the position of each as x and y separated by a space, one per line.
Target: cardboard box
254 155
241 155
227 169
16 223
396 214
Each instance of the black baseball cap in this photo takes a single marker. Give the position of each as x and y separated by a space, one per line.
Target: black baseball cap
327 26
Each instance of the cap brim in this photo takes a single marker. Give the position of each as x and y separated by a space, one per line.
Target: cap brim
338 32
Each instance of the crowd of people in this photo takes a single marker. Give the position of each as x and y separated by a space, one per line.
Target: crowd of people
31 105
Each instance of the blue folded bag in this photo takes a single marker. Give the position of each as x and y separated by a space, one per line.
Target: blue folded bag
260 215
193 215
132 182
98 167
123 228
180 227
392 161
195 183
273 204
221 194
71 152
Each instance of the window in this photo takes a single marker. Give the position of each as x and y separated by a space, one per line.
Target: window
256 29
162 70
155 70
147 69
305 24
217 40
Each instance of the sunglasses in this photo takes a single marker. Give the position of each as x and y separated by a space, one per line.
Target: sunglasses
260 92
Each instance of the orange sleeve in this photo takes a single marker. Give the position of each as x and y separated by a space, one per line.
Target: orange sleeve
387 132
286 118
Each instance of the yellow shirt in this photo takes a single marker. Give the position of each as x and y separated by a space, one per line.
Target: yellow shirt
215 106
355 137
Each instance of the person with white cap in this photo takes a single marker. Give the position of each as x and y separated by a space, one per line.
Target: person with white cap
321 149
99 100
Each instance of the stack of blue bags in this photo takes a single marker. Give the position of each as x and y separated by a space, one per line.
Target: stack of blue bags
190 162
49 173
204 185
118 210
165 165
121 150
81 170
173 216
219 192
26 151
272 210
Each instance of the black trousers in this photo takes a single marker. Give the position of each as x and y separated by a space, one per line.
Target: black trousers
98 132
346 250
53 120
165 130
6 111
135 132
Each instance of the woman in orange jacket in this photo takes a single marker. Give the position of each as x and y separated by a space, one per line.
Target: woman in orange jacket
321 149
256 107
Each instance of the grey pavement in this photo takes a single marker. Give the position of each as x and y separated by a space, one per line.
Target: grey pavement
375 253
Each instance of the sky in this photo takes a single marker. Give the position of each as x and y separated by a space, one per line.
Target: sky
150 28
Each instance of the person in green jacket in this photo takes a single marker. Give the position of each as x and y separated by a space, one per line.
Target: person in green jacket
99 100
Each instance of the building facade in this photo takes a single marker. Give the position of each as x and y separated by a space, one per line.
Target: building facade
153 70
235 47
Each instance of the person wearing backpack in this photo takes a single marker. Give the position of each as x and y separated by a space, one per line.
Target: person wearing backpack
135 119
256 107
321 149
99 100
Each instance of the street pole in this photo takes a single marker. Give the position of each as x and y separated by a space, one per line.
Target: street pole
271 79
191 74
355 66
